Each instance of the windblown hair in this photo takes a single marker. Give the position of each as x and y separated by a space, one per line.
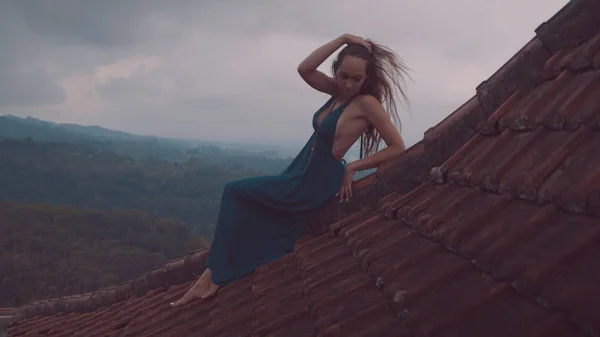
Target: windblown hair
385 72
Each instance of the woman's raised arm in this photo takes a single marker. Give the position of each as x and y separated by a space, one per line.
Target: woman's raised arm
308 67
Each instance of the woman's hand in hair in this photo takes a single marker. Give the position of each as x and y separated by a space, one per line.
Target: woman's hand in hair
353 39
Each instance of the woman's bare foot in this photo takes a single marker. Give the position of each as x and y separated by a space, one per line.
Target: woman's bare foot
197 291
212 289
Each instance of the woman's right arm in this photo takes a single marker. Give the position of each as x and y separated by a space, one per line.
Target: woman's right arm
308 67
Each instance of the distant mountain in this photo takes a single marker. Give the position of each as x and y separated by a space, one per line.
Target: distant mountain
50 251
268 161
94 131
93 136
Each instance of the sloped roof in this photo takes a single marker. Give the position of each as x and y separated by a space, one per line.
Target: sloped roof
6 316
488 227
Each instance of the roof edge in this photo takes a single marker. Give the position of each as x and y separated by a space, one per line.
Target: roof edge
575 23
175 272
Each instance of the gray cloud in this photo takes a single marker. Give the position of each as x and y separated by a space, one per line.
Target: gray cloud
226 70
23 80
27 87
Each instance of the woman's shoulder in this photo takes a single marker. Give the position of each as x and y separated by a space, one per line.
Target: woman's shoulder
367 101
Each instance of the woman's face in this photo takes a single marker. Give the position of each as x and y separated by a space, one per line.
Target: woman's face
351 75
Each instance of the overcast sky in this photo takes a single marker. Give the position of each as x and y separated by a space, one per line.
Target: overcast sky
226 70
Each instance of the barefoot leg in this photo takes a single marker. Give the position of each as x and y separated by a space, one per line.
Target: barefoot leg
211 291
197 290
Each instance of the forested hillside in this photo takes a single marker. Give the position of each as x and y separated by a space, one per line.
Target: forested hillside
59 173
85 207
50 251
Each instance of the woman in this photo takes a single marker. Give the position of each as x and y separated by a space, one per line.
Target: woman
261 218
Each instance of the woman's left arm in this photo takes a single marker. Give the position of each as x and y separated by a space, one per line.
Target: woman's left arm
380 119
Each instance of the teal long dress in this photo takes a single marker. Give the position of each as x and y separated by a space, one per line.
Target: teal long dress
261 218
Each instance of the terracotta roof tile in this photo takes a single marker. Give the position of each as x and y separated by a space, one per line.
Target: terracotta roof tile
479 236
596 62
575 287
399 273
489 227
511 316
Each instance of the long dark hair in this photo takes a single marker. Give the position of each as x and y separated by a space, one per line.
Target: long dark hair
385 72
